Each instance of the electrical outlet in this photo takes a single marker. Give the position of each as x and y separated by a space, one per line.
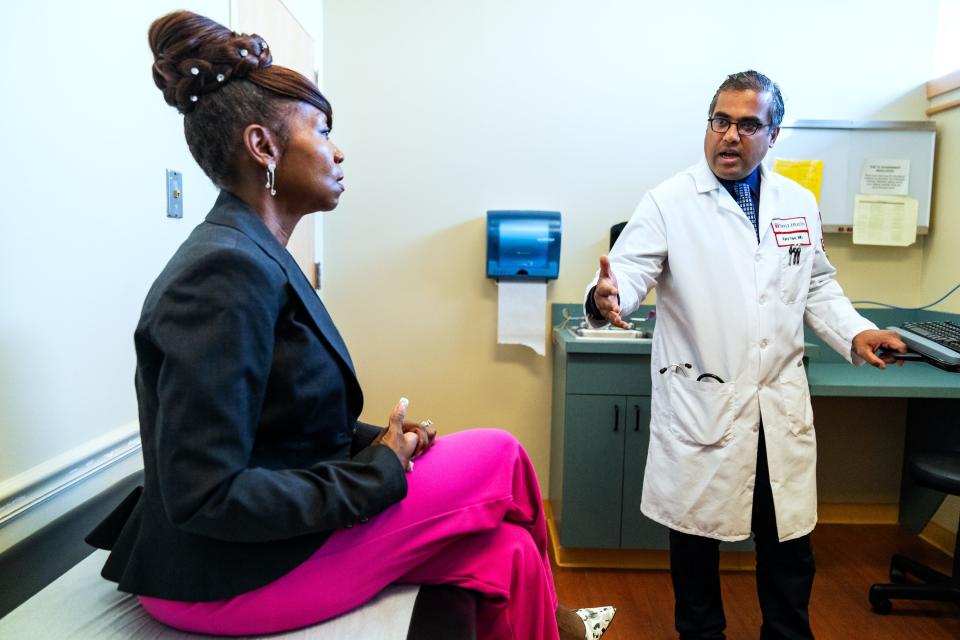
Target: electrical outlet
174 194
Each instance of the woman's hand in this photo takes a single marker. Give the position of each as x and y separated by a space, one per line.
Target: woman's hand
426 435
402 442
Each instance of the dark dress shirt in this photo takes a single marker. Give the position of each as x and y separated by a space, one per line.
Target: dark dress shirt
752 180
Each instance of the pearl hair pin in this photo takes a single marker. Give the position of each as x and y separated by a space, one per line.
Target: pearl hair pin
220 77
194 98
195 71
243 53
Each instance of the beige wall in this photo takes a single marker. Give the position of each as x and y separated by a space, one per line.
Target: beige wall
448 109
941 263
941 260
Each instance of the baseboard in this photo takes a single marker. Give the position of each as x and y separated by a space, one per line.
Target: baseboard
31 500
828 513
940 537
857 513
837 513
656 559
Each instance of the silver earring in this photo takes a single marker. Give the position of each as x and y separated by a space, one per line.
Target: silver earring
271 177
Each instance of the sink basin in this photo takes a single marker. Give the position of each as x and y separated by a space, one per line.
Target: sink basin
609 333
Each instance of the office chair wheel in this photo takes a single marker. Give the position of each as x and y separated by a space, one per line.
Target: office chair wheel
897 575
879 603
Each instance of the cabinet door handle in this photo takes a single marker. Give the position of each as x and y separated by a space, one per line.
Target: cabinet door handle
636 408
616 417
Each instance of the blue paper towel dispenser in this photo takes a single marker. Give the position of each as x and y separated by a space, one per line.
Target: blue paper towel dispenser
523 245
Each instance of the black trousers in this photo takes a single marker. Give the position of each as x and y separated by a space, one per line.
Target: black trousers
784 574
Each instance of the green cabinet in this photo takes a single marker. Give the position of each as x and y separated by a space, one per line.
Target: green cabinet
606 439
636 530
600 434
594 479
601 431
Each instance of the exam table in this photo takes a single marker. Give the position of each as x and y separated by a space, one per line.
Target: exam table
50 587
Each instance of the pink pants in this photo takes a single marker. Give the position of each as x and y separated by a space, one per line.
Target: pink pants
472 518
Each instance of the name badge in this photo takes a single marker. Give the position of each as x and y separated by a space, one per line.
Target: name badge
790 231
791 239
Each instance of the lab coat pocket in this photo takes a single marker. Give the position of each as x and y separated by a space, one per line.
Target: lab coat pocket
795 396
794 274
701 412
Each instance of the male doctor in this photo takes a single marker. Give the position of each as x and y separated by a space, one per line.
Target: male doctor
736 254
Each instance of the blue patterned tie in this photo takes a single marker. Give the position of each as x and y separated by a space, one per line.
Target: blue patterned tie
745 200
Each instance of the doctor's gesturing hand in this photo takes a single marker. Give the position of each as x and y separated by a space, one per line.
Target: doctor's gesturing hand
867 342
606 295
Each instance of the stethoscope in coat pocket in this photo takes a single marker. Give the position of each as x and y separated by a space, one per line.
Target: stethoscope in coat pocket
681 367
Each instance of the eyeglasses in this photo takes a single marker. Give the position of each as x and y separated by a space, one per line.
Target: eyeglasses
745 127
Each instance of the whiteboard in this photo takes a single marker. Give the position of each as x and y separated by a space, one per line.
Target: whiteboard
844 146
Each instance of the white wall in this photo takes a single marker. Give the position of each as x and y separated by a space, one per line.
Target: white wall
947 47
85 232
85 227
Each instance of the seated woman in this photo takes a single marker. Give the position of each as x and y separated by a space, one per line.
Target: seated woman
266 505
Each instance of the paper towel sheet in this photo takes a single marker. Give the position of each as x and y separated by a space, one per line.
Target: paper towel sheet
520 309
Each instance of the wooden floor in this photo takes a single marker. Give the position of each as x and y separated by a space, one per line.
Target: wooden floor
849 559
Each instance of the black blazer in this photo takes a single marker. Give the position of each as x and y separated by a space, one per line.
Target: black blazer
248 409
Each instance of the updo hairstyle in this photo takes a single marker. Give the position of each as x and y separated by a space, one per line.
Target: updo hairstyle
222 82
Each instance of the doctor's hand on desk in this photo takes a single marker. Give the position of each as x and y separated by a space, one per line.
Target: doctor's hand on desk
606 295
867 342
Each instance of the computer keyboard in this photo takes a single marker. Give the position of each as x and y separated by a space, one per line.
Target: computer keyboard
937 341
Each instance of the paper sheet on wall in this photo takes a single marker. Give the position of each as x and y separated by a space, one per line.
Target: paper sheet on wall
885 177
806 173
520 314
884 220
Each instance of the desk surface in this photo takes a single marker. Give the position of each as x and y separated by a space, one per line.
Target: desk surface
912 380
828 373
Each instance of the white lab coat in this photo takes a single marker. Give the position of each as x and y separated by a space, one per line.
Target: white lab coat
735 309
